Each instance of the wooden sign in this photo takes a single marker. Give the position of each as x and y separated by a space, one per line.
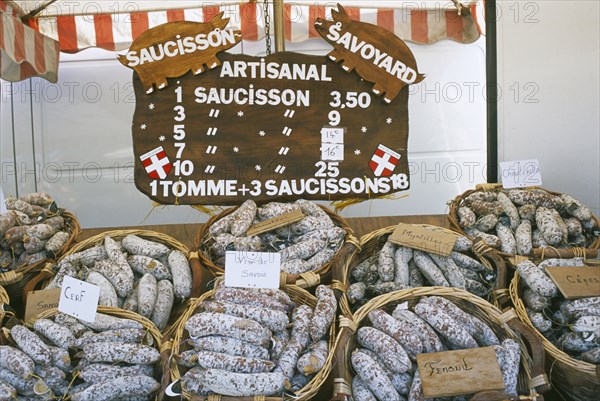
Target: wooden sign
424 239
576 282
275 223
459 372
274 128
375 53
171 50
41 301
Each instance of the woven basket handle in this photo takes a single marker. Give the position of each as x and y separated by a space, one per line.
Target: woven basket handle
165 363
535 346
342 375
498 396
338 268
196 268
32 285
566 253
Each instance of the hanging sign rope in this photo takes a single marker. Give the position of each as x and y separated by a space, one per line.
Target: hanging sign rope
279 127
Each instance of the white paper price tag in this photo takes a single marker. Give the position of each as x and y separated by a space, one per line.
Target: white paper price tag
79 299
332 135
520 173
332 152
252 269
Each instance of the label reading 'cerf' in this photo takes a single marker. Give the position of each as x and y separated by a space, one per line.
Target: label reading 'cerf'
576 282
41 301
275 223
424 239
459 372
79 299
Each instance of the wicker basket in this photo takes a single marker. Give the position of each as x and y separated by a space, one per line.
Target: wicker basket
43 278
374 241
572 377
305 280
15 281
148 325
4 300
300 297
532 379
539 253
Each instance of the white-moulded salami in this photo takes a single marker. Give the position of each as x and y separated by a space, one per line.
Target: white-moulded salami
139 246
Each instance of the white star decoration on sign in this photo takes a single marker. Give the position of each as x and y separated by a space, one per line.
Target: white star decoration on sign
257 167
236 149
364 129
143 126
389 120
161 138
151 106
357 152
262 133
240 114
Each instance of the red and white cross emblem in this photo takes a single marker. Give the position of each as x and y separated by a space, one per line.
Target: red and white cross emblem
156 163
384 161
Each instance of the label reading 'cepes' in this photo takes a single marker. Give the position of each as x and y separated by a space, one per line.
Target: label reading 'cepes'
41 301
424 239
79 299
252 269
576 282
459 372
275 223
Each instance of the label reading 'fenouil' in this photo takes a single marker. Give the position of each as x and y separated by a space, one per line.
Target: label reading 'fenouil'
576 282
459 372
424 239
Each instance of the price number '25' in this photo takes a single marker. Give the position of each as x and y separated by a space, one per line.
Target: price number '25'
327 169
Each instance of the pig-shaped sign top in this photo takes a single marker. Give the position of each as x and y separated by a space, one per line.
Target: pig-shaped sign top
171 50
375 53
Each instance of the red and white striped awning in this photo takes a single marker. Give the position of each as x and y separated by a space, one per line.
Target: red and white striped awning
24 52
116 31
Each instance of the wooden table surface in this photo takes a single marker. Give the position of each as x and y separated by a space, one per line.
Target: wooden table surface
361 226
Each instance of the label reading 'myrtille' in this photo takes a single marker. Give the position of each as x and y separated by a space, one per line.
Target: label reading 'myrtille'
424 239
576 282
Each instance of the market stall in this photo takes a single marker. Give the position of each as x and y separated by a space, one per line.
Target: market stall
277 296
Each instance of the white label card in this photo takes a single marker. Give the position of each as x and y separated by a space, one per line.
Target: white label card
332 135
332 152
252 269
520 173
79 299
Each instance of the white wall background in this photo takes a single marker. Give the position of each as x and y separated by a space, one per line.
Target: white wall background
549 72
78 135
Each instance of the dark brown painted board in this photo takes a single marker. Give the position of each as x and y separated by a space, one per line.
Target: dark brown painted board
268 152
375 53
